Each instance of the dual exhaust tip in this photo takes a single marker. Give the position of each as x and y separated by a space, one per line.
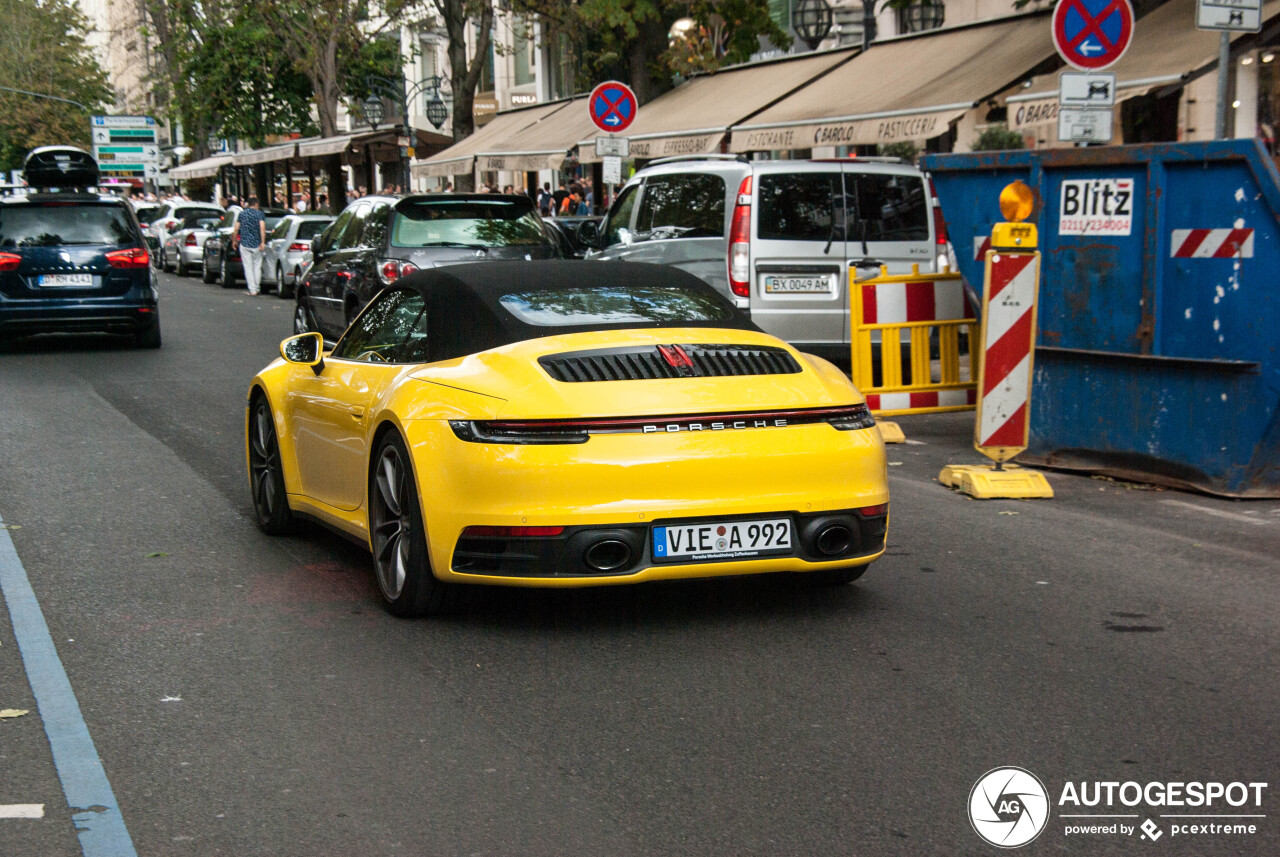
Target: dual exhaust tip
609 553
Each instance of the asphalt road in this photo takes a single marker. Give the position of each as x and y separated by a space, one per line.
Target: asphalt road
248 695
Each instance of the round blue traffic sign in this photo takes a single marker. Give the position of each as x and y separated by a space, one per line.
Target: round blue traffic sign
613 106
1092 34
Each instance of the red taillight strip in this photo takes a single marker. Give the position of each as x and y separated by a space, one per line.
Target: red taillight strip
10 261
633 423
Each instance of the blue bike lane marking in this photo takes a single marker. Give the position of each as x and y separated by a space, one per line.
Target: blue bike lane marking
96 814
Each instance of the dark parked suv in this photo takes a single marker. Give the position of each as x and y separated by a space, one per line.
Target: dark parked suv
378 239
72 259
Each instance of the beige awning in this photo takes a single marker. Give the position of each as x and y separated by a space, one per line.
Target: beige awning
540 145
1166 52
266 155
460 158
904 88
202 169
693 118
325 146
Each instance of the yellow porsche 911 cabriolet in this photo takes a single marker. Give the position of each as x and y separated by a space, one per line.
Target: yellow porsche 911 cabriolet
566 423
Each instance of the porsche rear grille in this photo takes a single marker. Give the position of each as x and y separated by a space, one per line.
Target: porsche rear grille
668 361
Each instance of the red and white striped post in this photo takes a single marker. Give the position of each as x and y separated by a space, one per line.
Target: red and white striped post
1011 283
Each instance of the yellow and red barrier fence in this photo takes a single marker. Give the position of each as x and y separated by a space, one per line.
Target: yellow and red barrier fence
906 310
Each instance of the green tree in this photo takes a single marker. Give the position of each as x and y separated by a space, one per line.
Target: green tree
43 50
629 39
996 137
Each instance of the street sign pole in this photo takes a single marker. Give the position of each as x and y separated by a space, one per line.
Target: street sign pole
1224 65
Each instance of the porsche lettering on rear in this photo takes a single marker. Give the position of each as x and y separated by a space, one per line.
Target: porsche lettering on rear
716 426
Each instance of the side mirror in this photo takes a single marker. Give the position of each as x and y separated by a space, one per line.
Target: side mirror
305 349
589 234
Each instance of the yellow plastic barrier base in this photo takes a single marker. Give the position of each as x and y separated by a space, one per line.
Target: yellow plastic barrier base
984 482
890 431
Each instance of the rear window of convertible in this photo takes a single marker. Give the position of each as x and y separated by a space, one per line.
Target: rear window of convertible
669 305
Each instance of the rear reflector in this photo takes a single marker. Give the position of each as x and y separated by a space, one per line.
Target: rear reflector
513 532
874 511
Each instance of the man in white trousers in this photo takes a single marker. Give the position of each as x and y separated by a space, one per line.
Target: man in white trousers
251 237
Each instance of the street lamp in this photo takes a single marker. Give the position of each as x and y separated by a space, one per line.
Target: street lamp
923 15
399 93
372 110
812 21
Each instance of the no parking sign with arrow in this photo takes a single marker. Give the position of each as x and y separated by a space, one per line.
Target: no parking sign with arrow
613 106
1092 34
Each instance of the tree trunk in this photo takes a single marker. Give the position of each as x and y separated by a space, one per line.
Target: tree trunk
337 183
324 85
463 77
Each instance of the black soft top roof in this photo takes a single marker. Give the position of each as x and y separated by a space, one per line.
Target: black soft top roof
465 316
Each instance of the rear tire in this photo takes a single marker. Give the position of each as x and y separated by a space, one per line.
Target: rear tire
207 275
401 560
228 281
181 267
266 471
150 337
838 576
303 319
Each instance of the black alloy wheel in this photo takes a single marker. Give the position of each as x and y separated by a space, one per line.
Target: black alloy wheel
400 558
266 472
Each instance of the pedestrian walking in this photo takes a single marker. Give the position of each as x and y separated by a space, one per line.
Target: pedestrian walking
251 237
545 200
560 195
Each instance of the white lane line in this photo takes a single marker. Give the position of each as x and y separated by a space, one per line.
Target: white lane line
22 810
1217 513
95 812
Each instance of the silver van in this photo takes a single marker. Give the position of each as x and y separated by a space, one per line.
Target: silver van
779 237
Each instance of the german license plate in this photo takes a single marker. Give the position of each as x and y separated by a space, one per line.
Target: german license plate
65 281
722 540
787 284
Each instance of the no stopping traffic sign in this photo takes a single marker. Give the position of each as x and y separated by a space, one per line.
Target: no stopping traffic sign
1092 34
613 106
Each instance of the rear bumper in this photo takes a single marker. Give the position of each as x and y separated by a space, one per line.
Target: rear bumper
625 484
72 316
191 255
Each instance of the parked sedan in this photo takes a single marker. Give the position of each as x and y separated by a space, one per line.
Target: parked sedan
288 251
184 248
378 239
566 424
175 215
220 263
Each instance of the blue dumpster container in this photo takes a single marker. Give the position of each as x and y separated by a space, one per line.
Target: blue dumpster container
1158 354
